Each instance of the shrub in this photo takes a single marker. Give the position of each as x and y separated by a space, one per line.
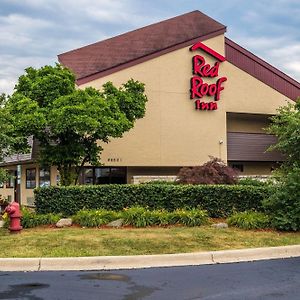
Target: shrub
283 205
251 181
31 219
159 182
249 220
141 217
217 200
3 201
214 171
192 217
94 218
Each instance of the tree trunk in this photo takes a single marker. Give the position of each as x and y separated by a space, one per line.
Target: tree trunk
78 169
67 175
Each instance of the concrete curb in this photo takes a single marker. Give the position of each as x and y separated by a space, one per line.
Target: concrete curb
147 261
19 264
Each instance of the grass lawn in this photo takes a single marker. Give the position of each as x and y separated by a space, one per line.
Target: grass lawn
74 241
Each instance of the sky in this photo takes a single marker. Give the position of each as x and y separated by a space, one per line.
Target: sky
34 32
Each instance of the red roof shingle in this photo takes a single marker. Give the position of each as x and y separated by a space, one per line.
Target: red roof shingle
113 52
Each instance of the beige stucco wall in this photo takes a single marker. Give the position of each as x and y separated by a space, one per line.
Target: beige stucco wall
8 191
173 133
247 123
246 94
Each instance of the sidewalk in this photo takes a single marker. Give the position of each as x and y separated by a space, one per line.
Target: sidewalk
147 261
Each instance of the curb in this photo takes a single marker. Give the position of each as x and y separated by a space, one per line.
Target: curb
147 261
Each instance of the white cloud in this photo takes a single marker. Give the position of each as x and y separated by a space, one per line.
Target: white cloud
11 67
7 85
294 67
18 31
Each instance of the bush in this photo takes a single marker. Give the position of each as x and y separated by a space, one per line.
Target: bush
94 218
193 217
159 182
141 217
214 171
251 181
250 220
217 200
31 219
283 205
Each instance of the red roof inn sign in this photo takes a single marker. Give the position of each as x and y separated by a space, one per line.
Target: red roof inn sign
201 70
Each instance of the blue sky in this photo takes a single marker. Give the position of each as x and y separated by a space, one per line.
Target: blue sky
33 32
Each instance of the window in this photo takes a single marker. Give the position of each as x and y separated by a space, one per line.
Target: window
87 176
44 177
238 167
117 175
11 179
102 175
30 178
110 175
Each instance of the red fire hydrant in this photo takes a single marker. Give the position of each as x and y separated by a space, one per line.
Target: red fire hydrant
13 210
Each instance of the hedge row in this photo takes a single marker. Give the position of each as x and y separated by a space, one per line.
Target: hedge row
217 200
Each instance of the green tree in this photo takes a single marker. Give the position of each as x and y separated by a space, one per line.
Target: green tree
3 137
284 204
70 122
286 127
10 142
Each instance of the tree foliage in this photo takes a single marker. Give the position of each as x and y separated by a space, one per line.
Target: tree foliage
10 141
286 127
284 203
214 171
69 122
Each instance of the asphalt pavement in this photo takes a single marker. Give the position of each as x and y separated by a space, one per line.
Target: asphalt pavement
266 279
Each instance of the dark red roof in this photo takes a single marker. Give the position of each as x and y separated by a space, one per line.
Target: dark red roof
261 70
116 51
